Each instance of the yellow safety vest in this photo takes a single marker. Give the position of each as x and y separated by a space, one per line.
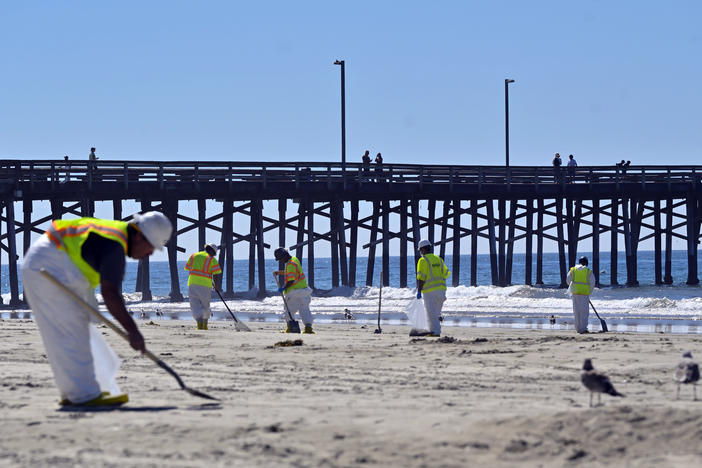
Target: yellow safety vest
581 280
432 270
71 234
202 266
293 272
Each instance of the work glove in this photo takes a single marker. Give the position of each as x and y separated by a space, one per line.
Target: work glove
281 289
419 294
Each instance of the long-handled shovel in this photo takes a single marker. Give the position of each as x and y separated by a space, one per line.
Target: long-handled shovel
238 324
293 325
380 301
120 332
602 322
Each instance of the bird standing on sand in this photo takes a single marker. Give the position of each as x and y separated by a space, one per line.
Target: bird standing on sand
687 372
596 382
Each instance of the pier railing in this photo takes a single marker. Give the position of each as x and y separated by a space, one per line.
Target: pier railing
130 172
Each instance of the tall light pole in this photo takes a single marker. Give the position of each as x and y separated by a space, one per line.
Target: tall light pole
507 82
343 114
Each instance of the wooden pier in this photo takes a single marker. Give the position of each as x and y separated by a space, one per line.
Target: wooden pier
497 205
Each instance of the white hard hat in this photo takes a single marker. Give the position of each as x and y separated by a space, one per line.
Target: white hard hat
155 226
423 243
213 246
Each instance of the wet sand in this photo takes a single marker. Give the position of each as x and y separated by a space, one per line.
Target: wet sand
349 397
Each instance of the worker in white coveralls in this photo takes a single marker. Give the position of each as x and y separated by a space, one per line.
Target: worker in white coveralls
431 284
202 267
582 283
297 295
83 253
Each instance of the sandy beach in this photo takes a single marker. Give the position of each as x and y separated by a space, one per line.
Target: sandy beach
349 397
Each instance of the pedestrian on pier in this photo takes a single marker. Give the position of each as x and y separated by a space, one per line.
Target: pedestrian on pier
379 167
202 267
297 294
572 164
83 253
431 285
582 283
67 168
557 168
366 160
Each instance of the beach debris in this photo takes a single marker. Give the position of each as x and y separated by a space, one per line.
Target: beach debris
151 322
687 372
596 382
297 342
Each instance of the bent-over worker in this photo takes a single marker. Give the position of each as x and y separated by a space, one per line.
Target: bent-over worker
83 253
431 284
202 266
297 295
582 283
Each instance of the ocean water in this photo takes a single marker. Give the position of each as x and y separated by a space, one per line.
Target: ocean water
649 306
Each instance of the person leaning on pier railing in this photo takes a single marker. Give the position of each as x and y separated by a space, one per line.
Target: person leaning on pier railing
557 168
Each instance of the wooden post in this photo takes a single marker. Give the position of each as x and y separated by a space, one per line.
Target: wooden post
144 264
475 230
561 242
27 228
334 244
301 215
171 211
310 243
371 247
572 237
354 242
456 243
202 224
502 277
529 241
252 246
431 216
261 252
386 242
491 241
415 229
691 221
341 229
510 241
403 243
657 234
444 229
12 252
614 231
596 241
228 231
668 278
627 243
540 241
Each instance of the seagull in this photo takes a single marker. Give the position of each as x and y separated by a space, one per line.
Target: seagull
687 372
596 382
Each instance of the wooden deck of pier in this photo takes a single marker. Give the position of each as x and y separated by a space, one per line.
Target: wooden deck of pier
500 205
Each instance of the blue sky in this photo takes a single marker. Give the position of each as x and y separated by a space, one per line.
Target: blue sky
424 80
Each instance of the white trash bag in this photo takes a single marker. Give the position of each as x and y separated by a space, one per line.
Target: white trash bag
417 315
105 362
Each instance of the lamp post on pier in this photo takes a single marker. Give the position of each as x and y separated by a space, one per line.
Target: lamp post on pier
507 82
343 114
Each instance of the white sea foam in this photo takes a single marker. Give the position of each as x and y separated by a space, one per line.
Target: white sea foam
461 302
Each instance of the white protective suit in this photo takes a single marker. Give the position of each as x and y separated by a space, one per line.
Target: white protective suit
199 297
82 363
298 300
581 302
433 303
